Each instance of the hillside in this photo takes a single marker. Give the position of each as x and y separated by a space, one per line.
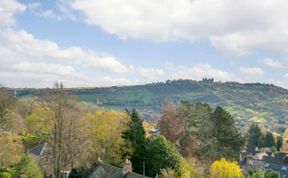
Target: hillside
247 102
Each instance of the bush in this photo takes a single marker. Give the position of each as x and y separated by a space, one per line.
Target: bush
257 173
27 168
78 172
271 174
5 175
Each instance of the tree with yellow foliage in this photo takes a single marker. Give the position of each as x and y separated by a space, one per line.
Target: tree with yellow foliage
105 135
225 169
11 149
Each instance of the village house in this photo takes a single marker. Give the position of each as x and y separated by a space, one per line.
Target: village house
254 158
102 170
39 153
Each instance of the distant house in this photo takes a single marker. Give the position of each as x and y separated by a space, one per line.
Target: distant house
102 170
252 158
39 150
39 153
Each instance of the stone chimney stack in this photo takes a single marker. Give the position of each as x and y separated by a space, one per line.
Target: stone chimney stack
127 167
99 160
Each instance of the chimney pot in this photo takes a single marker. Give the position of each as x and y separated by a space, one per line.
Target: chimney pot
127 167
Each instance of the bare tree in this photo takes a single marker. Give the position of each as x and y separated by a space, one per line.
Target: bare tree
64 139
171 124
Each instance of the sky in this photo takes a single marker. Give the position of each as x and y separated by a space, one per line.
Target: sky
86 43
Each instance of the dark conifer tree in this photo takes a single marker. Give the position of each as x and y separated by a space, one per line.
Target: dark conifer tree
135 135
229 139
269 140
254 136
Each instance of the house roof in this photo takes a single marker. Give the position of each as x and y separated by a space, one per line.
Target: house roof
277 163
282 169
269 161
39 150
102 170
253 150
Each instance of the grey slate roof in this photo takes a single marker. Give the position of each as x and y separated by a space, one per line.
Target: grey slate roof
270 161
102 170
276 163
39 150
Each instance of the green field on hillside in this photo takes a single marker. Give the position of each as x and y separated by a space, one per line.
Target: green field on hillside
249 102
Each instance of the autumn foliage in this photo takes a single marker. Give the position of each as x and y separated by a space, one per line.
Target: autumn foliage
225 169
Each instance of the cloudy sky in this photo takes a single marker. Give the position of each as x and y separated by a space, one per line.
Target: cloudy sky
125 42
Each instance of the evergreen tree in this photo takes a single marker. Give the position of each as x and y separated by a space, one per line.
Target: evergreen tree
198 117
161 154
229 139
150 156
254 136
269 140
135 135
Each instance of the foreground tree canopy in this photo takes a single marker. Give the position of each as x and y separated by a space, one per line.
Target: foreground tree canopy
194 139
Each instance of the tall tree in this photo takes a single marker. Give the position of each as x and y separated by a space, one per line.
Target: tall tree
161 154
135 135
65 116
269 140
229 139
104 126
7 106
199 127
254 136
171 124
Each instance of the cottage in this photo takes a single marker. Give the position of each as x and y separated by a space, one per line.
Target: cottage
252 158
102 170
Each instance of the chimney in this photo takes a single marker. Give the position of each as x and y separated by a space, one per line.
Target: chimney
127 167
99 160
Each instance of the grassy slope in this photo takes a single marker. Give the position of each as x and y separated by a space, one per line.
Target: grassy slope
253 102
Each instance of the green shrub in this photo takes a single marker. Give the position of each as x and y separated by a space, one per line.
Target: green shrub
5 175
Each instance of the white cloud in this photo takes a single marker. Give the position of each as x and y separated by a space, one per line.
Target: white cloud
251 70
150 73
273 63
7 10
30 62
28 77
44 68
200 71
27 46
234 27
37 9
110 81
